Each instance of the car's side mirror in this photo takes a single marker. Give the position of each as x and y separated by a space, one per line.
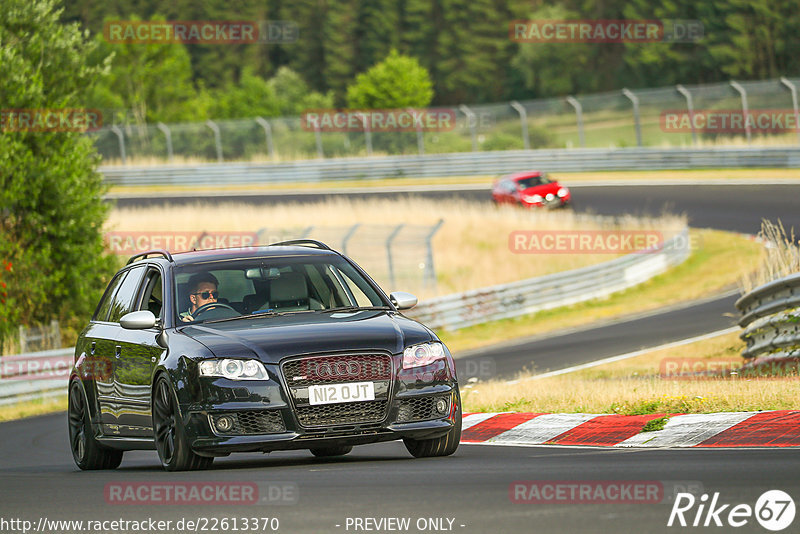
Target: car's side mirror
403 300
138 320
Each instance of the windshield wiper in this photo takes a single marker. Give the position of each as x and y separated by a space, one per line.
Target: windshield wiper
353 308
248 316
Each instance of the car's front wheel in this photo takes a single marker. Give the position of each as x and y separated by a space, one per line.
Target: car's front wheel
442 446
170 435
86 451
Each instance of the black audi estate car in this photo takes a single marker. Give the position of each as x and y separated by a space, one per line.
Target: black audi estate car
287 346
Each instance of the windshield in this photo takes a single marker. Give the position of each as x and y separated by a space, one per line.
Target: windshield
228 289
532 181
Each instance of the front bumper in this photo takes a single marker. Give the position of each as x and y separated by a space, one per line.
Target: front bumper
409 413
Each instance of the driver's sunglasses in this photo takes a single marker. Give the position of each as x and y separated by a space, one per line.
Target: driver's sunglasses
207 294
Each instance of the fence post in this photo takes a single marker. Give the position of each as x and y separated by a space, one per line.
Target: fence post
430 271
55 335
635 101
367 133
168 135
745 110
389 254
472 122
268 135
572 101
420 138
347 237
121 137
217 139
318 139
307 232
23 341
793 88
690 106
523 117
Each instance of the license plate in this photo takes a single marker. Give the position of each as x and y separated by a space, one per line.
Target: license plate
333 393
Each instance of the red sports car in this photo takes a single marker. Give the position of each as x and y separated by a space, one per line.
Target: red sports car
530 189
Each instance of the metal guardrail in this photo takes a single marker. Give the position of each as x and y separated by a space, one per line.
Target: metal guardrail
771 320
25 377
541 293
457 164
22 375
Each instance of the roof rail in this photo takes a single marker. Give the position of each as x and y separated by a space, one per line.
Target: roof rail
302 243
158 251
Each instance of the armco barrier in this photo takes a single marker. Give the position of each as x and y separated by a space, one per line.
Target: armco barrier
450 312
771 319
541 293
459 164
13 384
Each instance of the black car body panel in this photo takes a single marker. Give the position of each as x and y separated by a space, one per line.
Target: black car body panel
119 368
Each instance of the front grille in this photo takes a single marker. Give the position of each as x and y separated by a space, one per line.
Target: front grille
331 369
419 409
300 373
251 422
343 413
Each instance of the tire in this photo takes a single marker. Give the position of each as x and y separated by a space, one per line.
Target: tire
323 452
169 433
442 446
86 451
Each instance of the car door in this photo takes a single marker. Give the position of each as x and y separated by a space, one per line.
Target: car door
110 340
137 358
99 351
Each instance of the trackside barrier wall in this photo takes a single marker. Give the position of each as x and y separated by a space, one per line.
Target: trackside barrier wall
457 164
771 320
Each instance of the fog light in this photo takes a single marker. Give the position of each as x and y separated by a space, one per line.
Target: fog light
441 406
225 423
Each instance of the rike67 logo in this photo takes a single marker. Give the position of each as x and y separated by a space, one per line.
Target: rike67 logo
774 510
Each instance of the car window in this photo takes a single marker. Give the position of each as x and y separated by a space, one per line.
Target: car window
279 284
124 299
152 296
105 303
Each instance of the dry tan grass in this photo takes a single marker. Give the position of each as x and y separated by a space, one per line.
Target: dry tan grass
31 408
782 256
635 386
470 250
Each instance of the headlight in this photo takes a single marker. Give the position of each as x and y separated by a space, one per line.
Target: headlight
562 192
234 369
533 198
424 354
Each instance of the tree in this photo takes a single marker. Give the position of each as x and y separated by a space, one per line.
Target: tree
51 206
137 77
396 82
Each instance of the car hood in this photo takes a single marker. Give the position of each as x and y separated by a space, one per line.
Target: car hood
271 339
542 189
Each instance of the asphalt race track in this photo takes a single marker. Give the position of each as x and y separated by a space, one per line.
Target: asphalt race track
475 487
558 351
738 208
374 481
